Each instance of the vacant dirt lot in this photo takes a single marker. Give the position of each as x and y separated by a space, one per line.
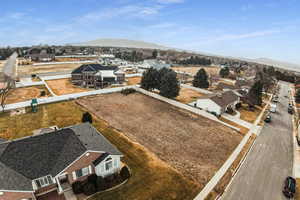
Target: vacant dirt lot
64 86
30 69
134 80
151 178
194 145
188 95
25 94
194 69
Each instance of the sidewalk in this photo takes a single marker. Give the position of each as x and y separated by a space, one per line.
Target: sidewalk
221 172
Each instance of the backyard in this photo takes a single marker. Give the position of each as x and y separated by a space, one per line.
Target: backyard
134 80
31 69
193 145
187 95
64 86
152 178
24 94
212 70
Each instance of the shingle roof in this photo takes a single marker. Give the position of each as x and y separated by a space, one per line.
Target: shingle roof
225 98
33 157
93 67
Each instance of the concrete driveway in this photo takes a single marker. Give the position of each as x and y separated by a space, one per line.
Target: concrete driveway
269 162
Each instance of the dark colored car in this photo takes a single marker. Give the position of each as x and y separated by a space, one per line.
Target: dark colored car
289 188
290 110
268 119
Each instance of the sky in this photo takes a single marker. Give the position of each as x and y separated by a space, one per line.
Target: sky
238 28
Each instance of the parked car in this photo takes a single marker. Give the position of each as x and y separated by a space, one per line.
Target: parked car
273 107
290 110
289 188
268 119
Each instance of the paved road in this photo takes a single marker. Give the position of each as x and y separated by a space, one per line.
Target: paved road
262 174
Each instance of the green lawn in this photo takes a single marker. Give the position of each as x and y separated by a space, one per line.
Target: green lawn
151 179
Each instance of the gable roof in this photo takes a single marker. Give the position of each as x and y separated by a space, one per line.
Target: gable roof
225 98
48 154
222 86
93 67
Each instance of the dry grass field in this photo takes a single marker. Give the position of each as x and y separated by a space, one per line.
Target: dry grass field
188 95
151 178
25 94
250 116
2 62
195 146
64 86
30 69
194 69
134 80
221 186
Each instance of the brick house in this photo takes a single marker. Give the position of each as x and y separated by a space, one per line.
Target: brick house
97 76
33 167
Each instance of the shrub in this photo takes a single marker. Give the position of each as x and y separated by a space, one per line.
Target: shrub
87 117
128 91
100 183
43 93
89 189
124 173
33 75
77 187
92 179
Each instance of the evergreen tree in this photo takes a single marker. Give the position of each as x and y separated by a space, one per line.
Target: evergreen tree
255 93
154 54
297 97
150 79
161 74
201 79
169 86
87 117
224 72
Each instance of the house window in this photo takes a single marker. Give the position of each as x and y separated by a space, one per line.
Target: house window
44 181
108 164
82 172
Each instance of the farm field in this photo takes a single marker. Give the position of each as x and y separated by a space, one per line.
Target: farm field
25 94
134 80
194 69
30 69
64 86
187 95
151 178
193 145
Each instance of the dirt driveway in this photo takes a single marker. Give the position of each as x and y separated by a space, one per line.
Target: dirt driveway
194 145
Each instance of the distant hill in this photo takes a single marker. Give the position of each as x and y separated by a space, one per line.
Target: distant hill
122 43
275 63
125 43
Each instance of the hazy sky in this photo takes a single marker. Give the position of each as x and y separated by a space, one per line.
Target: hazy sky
240 28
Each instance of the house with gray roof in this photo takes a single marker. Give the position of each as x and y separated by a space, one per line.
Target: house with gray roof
218 103
34 166
97 76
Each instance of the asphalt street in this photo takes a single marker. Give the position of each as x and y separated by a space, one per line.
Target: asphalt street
270 160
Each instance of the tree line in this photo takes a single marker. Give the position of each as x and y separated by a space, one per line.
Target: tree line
195 60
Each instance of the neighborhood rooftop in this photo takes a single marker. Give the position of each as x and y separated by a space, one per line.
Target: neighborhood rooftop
24 160
93 67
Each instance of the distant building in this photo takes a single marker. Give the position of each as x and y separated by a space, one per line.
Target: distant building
97 76
41 54
153 63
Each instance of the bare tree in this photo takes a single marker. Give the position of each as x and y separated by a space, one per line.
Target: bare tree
4 91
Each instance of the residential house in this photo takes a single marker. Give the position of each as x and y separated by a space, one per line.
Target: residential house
218 103
41 54
33 167
97 76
